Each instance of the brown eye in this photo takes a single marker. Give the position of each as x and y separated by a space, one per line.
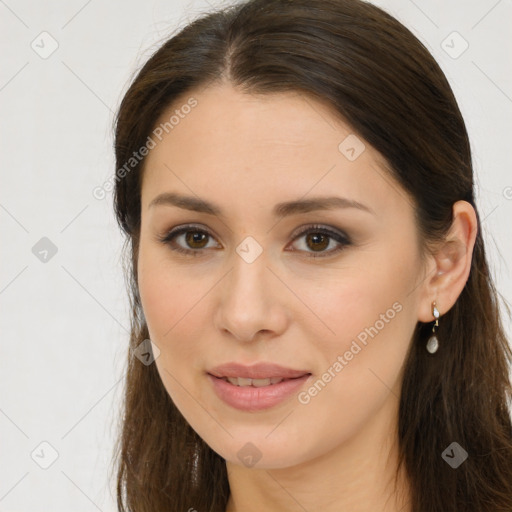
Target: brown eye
196 239
317 239
191 240
188 240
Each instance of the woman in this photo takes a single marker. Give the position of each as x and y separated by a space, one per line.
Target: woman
314 322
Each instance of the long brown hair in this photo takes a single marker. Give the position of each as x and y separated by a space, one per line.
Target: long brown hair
380 79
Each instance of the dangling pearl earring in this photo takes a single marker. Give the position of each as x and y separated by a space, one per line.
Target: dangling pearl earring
433 342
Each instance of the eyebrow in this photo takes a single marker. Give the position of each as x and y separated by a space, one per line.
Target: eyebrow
280 210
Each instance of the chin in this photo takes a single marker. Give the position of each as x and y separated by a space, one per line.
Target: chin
260 454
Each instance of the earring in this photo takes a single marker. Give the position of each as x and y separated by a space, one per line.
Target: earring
433 342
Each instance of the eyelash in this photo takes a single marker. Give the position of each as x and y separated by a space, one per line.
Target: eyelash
339 237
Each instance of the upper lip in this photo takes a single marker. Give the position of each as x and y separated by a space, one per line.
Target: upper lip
256 371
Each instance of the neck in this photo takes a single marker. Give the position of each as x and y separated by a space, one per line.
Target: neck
358 475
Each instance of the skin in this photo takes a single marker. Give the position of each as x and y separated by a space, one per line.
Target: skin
246 153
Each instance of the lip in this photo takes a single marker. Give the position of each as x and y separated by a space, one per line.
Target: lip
256 371
249 398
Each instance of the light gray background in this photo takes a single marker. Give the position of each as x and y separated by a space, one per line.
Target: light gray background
64 323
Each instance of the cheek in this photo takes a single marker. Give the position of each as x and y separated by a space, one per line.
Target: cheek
172 308
169 300
348 304
369 321
359 366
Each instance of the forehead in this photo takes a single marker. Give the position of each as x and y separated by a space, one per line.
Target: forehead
260 148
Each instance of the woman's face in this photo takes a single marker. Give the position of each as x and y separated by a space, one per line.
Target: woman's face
279 275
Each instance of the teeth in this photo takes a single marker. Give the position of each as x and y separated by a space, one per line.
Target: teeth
243 382
258 383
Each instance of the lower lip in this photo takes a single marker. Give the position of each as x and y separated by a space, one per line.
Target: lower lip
250 398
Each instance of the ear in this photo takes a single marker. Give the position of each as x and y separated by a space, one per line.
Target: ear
448 269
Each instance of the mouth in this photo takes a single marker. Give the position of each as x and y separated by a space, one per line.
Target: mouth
258 374
257 394
258 387
257 383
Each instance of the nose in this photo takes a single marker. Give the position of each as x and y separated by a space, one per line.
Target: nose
251 301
